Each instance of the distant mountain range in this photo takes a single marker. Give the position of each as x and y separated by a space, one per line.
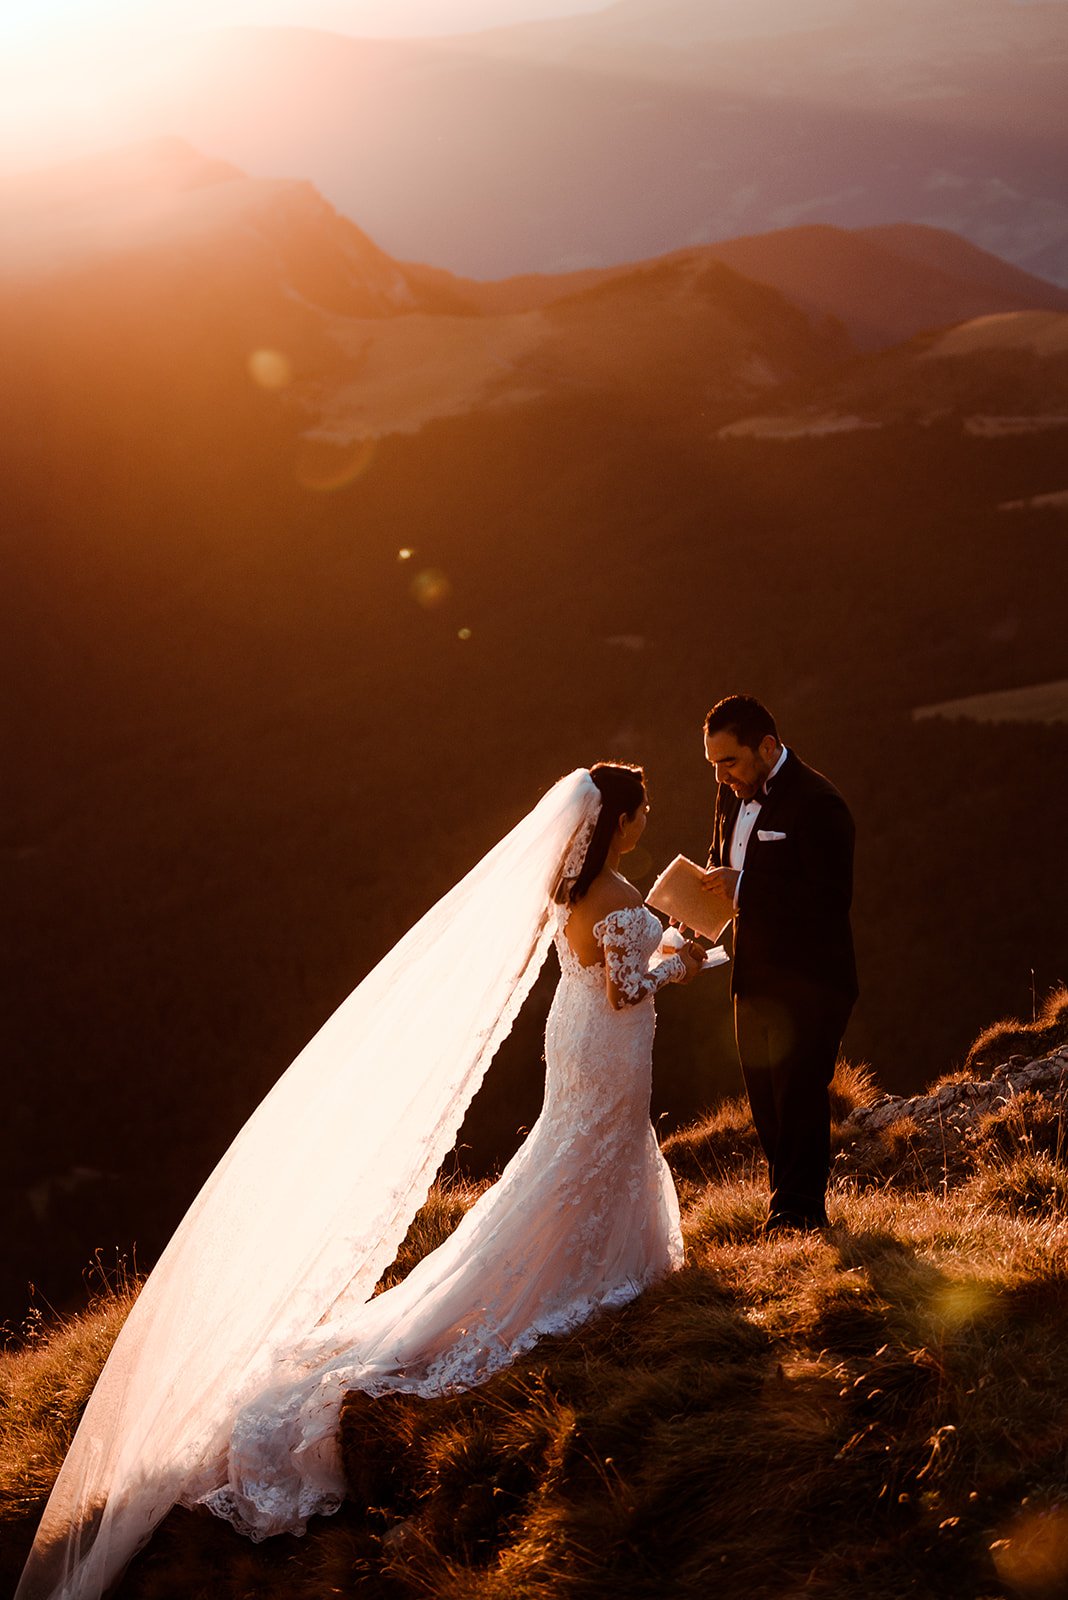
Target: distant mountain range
652 126
319 565
367 346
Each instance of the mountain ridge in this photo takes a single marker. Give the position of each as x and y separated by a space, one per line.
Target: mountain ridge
952 124
308 281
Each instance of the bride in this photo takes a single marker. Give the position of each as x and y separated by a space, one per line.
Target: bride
225 1386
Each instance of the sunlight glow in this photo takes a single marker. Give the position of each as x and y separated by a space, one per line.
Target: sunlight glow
72 71
1031 1554
325 467
84 75
270 369
963 1300
45 23
431 588
49 23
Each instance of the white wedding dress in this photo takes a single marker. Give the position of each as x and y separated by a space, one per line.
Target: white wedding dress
225 1384
583 1218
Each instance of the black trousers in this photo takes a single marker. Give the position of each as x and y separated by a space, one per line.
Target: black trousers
788 1045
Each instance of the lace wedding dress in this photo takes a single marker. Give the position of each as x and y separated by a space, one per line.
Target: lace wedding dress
225 1384
583 1218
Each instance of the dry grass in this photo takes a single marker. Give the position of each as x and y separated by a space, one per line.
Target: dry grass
1031 1183
1029 1122
936 1148
1014 1036
46 1376
432 1224
852 1086
858 1414
900 1154
724 1144
880 1411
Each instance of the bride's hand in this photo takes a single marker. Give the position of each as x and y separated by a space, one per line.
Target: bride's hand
693 959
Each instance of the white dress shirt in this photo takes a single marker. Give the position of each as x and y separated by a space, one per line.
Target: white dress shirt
744 823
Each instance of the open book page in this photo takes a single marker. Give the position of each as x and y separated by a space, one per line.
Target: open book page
678 893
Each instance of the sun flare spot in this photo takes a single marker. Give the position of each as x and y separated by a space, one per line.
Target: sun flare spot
270 369
1031 1555
325 467
962 1301
431 588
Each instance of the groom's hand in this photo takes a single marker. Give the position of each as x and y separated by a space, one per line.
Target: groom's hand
722 884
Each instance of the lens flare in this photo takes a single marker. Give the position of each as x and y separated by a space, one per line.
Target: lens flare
405 553
1031 1555
464 633
962 1300
431 588
270 369
324 467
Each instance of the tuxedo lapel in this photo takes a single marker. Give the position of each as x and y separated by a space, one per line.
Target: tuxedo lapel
727 807
778 795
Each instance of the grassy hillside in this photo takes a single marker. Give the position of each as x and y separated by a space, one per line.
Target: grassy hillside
880 1412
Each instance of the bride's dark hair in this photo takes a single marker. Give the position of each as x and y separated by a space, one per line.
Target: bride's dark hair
622 792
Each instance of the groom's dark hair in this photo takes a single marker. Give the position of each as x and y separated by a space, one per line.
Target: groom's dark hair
744 717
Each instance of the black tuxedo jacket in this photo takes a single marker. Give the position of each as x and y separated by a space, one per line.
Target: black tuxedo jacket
792 921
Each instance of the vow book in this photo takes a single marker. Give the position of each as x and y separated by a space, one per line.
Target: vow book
678 893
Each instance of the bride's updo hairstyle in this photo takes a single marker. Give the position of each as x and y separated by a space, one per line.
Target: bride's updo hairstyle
622 792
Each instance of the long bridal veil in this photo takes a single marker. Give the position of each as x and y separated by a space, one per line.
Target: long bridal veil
309 1204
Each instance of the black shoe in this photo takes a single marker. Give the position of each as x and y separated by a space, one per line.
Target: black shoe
795 1221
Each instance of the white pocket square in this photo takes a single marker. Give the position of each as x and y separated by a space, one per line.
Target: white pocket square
768 834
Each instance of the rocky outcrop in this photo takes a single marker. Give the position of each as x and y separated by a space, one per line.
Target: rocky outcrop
944 1133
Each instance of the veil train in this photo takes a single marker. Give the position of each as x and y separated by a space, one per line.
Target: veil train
309 1204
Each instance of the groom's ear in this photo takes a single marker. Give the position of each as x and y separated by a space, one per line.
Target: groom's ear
768 746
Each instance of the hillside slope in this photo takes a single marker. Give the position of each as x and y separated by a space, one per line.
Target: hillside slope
878 1411
864 279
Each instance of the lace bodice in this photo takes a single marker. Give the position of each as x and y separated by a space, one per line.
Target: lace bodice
629 938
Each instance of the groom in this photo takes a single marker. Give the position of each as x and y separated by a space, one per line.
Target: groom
781 863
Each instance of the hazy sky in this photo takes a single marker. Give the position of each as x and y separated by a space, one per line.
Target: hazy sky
31 28
32 24
68 66
395 17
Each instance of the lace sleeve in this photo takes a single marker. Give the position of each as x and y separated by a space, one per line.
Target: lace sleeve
625 959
